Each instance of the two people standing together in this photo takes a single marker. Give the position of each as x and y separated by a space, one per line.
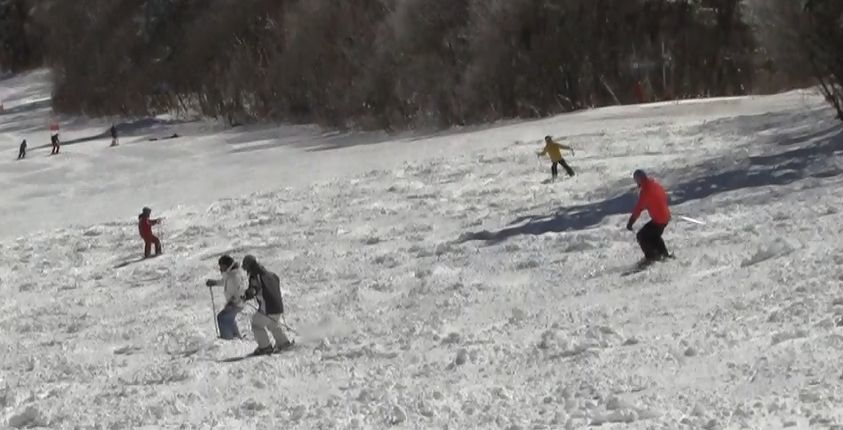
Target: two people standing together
262 285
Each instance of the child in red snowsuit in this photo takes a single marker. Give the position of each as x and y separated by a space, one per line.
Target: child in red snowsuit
145 228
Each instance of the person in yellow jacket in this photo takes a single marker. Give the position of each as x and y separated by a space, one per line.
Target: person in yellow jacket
554 151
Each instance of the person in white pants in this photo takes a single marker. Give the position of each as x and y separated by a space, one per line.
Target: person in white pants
265 287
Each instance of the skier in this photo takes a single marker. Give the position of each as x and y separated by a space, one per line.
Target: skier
232 288
55 141
145 227
54 137
22 152
265 287
553 150
114 140
654 200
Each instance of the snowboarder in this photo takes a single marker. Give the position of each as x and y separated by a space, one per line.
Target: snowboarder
654 200
553 150
145 228
232 283
265 287
22 152
114 140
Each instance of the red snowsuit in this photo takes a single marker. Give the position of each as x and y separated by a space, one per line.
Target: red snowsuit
145 228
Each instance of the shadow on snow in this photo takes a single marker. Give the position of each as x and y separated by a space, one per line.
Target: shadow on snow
754 171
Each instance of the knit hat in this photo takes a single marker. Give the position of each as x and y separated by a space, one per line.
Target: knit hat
226 261
639 174
250 263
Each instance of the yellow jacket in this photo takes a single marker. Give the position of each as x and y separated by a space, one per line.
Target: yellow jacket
554 150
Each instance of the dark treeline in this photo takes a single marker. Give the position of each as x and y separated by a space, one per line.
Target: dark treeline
384 63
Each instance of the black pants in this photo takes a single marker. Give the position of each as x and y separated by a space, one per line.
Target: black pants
650 240
55 141
22 154
147 245
565 166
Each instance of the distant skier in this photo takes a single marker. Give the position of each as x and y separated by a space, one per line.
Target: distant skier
232 284
553 150
654 200
22 152
145 228
54 137
114 140
266 288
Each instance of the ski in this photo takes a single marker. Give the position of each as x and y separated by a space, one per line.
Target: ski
638 268
253 355
646 264
137 260
691 220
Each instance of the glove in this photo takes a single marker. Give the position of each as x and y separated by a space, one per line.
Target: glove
629 225
211 282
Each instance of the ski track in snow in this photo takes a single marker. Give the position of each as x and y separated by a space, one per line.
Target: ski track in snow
445 287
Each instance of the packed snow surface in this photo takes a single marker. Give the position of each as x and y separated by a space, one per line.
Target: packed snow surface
434 281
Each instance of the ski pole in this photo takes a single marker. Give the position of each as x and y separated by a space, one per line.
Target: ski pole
214 315
691 220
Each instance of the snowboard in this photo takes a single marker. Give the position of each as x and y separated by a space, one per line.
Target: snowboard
643 265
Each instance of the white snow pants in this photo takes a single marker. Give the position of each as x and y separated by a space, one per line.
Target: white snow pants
261 323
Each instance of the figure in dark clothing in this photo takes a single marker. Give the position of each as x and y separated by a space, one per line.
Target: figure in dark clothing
22 153
265 287
114 140
56 145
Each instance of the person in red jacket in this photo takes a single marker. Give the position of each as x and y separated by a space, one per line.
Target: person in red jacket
145 228
654 200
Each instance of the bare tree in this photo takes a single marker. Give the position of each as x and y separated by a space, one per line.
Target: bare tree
392 63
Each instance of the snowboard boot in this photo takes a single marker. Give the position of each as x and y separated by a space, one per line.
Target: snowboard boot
667 257
263 351
279 348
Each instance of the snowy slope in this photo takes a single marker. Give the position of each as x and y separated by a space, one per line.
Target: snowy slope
435 282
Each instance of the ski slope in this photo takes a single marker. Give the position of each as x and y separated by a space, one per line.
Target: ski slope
436 281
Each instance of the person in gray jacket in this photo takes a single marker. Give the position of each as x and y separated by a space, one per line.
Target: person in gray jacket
232 284
265 286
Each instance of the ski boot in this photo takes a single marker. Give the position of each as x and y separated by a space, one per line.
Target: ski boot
283 347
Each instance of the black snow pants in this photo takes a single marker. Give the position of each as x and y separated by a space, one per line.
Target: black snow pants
565 166
651 242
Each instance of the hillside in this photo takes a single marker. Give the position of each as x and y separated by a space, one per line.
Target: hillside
435 281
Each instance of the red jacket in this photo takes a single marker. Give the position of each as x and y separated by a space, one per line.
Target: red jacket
145 226
653 199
